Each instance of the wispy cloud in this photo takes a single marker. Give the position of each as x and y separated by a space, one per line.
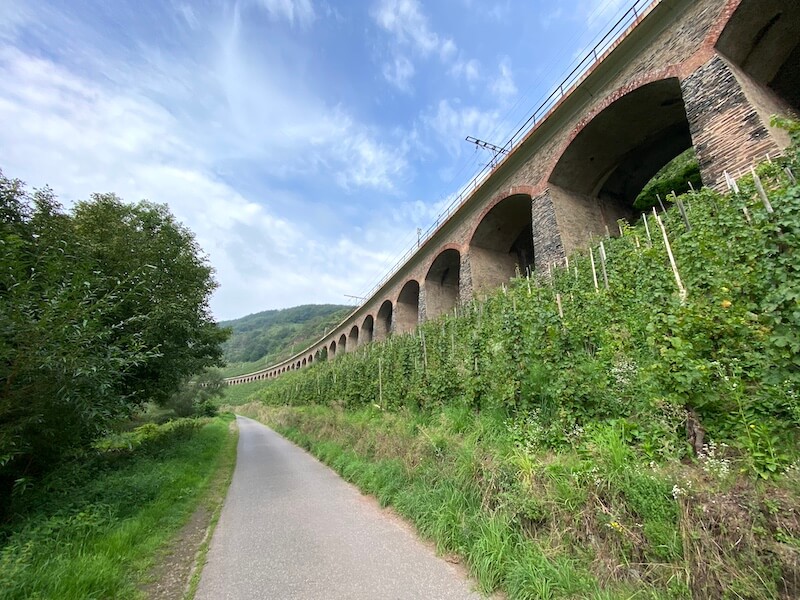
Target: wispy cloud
468 70
406 22
399 73
299 12
452 121
503 86
411 32
82 134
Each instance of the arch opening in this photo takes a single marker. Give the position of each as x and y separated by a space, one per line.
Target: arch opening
383 324
367 330
352 339
332 350
502 244
442 284
762 38
342 345
407 315
599 176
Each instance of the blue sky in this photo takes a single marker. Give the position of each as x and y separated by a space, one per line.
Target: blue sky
303 141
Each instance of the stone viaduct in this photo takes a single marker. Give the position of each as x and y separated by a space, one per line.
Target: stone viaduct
702 73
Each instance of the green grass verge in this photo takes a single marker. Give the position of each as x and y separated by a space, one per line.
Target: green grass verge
95 527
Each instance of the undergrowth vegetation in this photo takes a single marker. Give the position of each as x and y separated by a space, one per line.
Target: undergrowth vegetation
93 528
569 437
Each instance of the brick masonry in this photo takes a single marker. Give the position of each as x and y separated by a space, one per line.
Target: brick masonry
726 110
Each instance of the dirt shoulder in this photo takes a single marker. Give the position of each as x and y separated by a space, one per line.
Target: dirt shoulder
177 572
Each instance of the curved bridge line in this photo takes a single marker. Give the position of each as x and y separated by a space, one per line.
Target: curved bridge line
673 74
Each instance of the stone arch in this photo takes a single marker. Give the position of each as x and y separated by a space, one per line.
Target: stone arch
341 345
614 153
305 362
407 315
762 39
352 338
383 323
443 283
367 330
501 243
332 350
310 358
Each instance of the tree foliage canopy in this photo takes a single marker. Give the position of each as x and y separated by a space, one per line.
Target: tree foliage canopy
102 308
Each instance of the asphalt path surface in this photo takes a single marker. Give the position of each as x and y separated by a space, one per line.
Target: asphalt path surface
292 529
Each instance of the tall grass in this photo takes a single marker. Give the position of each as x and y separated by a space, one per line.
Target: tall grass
93 528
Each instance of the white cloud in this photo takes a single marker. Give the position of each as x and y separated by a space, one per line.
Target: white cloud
81 136
399 73
294 11
503 86
370 164
469 70
452 122
410 30
404 19
186 12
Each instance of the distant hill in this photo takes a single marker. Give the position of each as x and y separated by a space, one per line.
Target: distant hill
261 339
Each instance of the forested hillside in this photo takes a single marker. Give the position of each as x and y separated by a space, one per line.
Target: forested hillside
269 336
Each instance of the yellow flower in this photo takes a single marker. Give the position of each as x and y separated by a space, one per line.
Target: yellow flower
725 304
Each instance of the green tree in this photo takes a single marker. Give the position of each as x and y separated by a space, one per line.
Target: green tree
195 396
101 309
169 282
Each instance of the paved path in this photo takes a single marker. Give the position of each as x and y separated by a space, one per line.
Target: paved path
291 529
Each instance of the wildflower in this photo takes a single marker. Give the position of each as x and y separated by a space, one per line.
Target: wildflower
725 304
678 491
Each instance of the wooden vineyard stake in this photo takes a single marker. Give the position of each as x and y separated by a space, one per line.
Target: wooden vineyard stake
380 382
761 193
790 175
560 309
647 230
732 185
424 350
661 203
603 263
681 289
683 214
594 271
